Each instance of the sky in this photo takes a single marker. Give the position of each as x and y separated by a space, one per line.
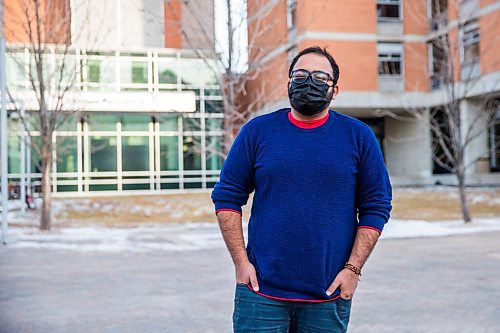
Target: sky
239 21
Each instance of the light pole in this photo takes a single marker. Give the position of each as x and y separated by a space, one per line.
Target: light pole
3 129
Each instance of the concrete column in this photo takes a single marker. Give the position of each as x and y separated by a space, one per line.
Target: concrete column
408 148
476 153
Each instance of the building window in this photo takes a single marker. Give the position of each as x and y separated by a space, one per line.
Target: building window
470 42
291 14
438 14
437 61
440 128
388 10
438 7
390 59
494 137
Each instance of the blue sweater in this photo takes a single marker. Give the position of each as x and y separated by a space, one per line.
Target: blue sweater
310 184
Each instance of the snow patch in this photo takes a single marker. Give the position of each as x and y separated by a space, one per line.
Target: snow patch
198 236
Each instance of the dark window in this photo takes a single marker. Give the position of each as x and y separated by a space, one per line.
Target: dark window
439 125
470 42
494 135
388 9
389 59
438 61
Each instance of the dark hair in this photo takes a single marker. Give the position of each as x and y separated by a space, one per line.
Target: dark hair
320 51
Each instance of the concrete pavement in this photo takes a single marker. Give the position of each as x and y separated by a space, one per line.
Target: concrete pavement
438 284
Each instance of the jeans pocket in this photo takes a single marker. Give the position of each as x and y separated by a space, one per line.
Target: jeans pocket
344 309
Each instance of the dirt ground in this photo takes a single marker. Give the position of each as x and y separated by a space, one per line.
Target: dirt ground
429 204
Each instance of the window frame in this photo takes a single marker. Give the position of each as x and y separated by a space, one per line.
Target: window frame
398 3
469 34
391 49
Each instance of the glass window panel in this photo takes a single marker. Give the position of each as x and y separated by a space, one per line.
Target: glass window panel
214 124
67 155
133 73
66 71
198 72
136 186
388 11
94 71
389 67
213 92
170 186
139 72
69 122
192 185
134 122
211 184
36 162
167 72
495 140
168 122
169 153
135 150
103 187
15 69
471 52
191 124
191 152
102 121
67 188
438 7
101 72
13 147
214 148
102 153
46 68
439 115
214 107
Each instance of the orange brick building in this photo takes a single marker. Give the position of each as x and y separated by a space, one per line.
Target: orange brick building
389 61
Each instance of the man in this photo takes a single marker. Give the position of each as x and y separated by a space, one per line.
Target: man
313 170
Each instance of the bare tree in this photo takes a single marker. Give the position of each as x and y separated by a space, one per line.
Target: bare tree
43 28
454 70
232 71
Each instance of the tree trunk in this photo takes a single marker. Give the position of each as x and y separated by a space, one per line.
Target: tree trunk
463 197
45 218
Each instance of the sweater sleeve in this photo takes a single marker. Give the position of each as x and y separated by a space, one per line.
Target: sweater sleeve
373 186
236 180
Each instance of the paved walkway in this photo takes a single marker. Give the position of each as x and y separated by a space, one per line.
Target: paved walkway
439 284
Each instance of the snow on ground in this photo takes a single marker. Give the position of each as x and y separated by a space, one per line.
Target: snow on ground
198 236
416 228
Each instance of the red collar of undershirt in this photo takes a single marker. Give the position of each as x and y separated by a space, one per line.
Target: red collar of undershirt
307 123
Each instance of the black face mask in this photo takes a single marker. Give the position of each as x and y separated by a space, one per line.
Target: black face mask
309 98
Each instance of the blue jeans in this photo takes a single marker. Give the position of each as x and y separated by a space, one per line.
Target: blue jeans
257 313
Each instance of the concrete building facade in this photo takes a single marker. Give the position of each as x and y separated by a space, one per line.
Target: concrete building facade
388 58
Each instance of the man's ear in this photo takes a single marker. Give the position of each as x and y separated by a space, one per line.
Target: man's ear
335 91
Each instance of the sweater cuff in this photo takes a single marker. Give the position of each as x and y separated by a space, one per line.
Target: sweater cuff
375 222
226 205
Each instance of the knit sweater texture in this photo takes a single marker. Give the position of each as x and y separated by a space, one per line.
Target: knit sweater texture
314 187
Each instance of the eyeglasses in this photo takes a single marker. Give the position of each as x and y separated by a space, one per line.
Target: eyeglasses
318 77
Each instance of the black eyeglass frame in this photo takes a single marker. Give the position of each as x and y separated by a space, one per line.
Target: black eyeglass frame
305 71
